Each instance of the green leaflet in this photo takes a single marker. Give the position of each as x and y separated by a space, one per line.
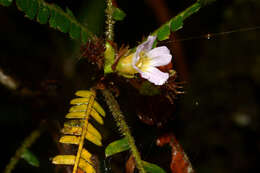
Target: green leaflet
30 158
118 14
29 7
176 22
6 2
122 145
164 33
117 147
43 14
57 18
152 168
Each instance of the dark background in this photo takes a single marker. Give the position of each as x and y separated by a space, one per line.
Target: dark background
216 121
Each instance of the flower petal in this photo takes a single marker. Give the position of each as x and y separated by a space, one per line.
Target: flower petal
155 76
148 44
158 51
145 46
136 57
160 60
159 56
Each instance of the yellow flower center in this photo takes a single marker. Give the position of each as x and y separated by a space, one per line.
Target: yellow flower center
143 61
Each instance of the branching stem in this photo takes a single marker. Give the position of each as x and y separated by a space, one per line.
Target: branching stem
123 127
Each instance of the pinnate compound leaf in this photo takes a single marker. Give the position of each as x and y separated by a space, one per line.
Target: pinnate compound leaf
6 2
30 158
78 129
117 147
176 22
152 168
57 18
118 14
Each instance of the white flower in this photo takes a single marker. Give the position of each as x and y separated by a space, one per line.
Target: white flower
145 60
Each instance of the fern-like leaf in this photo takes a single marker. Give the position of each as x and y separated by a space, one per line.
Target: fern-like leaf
78 128
58 19
176 22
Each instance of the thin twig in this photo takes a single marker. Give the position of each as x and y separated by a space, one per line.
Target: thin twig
28 141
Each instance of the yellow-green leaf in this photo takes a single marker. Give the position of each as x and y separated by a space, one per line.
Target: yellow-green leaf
152 168
118 14
117 147
76 130
84 93
30 158
85 165
82 106
81 115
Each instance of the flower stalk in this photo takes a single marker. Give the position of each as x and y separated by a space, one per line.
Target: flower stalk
123 127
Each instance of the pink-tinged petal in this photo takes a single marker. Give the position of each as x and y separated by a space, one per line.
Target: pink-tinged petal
148 44
136 57
158 51
160 60
155 76
145 46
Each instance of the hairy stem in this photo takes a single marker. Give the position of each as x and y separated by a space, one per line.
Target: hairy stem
109 21
28 141
124 129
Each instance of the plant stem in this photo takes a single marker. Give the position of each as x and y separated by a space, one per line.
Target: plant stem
124 129
109 21
84 132
28 141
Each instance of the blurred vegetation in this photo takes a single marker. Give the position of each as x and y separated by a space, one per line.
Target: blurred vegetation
216 121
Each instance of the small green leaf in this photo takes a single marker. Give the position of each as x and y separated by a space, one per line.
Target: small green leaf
70 13
21 5
30 158
118 14
52 21
31 9
148 89
75 31
163 33
117 147
6 2
152 168
62 23
176 23
191 10
43 14
84 36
